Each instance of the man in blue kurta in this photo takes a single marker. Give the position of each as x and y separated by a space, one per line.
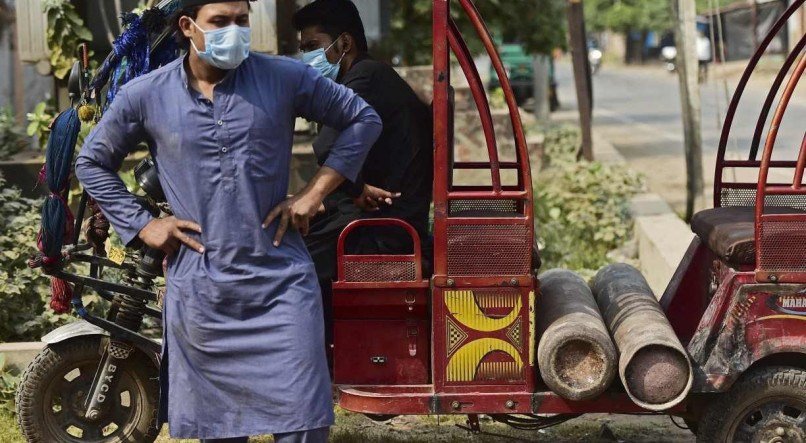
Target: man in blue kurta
243 350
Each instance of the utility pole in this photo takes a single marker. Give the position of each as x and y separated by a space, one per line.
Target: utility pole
17 77
582 74
540 67
688 74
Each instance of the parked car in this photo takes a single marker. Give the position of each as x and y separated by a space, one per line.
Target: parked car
520 70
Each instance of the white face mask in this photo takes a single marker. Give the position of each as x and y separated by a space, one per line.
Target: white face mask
224 48
318 60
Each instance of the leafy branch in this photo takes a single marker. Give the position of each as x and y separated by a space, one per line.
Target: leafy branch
537 24
39 122
65 32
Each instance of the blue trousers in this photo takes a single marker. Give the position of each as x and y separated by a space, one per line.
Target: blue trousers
311 436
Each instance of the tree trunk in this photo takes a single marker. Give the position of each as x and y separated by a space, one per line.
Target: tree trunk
17 77
688 74
582 74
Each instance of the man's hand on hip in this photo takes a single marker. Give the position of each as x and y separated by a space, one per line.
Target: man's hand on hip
297 211
168 234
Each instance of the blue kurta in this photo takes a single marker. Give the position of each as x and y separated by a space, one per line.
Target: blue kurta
243 334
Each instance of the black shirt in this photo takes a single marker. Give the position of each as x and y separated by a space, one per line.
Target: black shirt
402 158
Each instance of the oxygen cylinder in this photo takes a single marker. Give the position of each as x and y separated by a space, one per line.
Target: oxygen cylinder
575 355
653 365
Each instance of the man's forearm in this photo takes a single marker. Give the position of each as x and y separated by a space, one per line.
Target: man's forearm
118 205
324 182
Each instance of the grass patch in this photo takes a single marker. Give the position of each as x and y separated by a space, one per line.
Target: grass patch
9 433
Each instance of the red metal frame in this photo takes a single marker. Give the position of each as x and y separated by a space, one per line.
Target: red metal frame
447 38
454 271
517 287
792 268
751 162
423 400
341 256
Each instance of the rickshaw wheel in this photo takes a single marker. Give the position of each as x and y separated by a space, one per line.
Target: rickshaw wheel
54 387
692 424
767 405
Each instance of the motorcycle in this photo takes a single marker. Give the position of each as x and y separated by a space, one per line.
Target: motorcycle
669 56
97 379
595 58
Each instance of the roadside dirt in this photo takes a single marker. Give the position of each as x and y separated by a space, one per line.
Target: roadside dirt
355 428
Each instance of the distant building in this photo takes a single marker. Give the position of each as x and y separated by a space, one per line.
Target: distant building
738 28
22 86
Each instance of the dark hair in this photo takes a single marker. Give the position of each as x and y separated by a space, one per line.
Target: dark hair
333 17
192 12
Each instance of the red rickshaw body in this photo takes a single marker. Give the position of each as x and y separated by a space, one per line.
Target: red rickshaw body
464 342
738 299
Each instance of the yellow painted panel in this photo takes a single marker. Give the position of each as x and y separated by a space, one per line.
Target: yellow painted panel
465 362
463 306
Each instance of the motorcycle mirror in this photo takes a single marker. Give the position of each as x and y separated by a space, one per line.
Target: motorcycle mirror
75 81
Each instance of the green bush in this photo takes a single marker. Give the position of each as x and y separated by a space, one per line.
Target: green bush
12 137
9 379
582 207
24 292
21 289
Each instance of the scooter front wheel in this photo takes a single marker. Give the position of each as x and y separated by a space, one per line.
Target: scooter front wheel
53 391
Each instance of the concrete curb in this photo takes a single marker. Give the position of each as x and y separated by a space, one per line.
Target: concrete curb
663 239
18 354
662 236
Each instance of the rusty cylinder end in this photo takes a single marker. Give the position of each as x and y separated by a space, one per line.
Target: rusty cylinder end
657 374
580 365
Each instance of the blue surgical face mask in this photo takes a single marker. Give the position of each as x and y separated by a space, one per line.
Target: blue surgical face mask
318 60
225 48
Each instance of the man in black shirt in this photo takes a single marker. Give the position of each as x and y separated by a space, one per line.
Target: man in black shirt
397 178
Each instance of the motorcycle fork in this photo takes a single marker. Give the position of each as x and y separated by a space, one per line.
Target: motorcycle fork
106 378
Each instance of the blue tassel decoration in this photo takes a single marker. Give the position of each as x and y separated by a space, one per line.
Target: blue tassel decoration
54 220
58 162
132 54
61 145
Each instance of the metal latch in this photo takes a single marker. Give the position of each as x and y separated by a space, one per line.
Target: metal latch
379 360
410 300
412 331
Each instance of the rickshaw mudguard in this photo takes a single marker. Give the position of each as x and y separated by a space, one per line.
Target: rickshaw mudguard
83 328
745 323
80 328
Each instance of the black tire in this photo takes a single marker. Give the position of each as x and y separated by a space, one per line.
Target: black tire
692 424
767 404
53 388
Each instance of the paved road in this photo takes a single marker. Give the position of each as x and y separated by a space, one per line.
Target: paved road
638 110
